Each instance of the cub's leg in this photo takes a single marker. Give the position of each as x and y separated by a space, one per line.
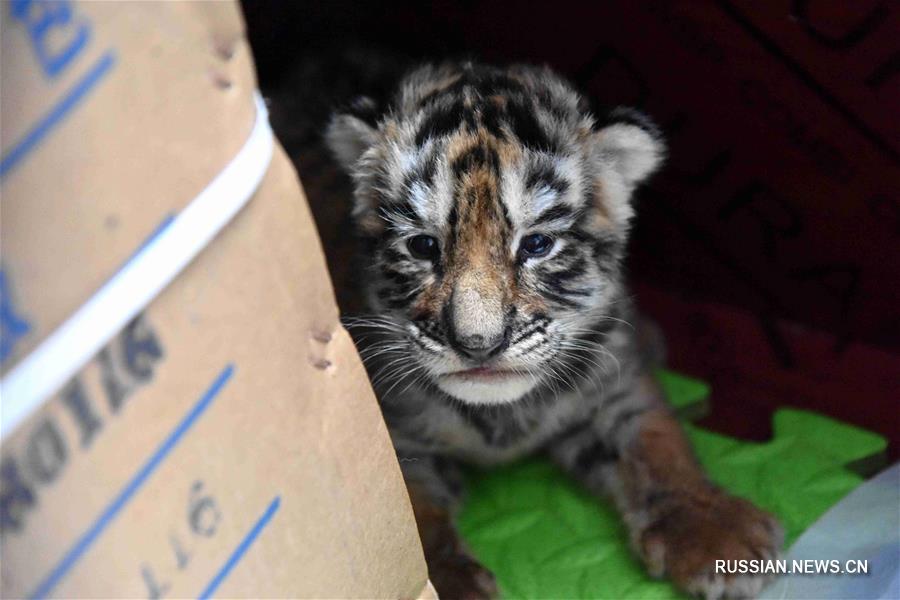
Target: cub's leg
435 488
679 523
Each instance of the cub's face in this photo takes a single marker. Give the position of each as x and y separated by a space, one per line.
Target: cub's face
497 211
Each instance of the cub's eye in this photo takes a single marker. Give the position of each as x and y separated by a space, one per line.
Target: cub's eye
535 245
423 246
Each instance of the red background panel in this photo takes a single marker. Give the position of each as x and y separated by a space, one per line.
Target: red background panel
768 245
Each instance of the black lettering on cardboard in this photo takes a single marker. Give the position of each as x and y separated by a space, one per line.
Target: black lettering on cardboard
142 349
115 384
128 361
75 398
45 452
16 497
155 590
203 512
181 555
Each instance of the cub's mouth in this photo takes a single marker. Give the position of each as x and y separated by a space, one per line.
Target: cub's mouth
486 385
485 374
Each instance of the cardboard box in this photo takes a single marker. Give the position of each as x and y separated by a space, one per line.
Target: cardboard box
227 440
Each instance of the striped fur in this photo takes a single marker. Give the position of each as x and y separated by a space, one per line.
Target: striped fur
483 352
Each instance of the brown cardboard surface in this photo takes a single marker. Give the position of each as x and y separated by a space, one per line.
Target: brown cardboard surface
281 427
228 438
162 93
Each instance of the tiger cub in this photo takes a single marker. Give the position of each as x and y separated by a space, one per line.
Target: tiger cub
495 211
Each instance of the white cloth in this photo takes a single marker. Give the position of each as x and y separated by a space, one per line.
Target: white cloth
863 526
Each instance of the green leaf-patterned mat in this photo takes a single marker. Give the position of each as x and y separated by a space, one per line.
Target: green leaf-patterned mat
545 537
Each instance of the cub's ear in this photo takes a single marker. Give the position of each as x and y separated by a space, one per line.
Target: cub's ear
631 144
350 133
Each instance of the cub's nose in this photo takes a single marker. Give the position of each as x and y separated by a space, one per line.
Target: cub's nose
477 347
475 319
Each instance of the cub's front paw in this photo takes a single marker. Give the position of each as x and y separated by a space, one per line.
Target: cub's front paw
457 576
689 532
